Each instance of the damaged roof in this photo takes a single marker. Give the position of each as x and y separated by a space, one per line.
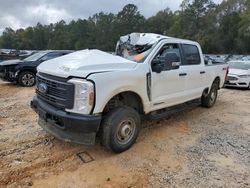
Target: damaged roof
142 38
146 38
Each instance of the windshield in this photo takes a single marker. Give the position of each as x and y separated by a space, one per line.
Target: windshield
240 65
130 48
136 53
35 56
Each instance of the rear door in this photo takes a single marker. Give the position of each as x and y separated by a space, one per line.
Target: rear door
195 71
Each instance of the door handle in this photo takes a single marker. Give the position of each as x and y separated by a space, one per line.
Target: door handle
202 72
183 74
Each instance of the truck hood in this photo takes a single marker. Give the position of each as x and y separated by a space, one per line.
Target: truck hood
11 62
84 62
238 71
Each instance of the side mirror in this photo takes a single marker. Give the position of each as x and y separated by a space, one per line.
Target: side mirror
168 62
157 66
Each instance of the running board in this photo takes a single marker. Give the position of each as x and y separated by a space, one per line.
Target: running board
167 112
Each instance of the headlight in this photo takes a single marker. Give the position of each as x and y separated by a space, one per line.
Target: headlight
84 96
245 76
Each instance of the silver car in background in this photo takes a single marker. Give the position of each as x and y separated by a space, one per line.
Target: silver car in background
239 74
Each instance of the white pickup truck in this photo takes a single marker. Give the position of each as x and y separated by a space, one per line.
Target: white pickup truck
90 92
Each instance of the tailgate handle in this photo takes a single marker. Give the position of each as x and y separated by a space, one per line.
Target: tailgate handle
183 74
202 72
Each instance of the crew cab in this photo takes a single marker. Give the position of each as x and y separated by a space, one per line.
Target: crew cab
23 71
91 93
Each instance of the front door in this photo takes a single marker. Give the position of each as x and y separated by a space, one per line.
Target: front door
168 86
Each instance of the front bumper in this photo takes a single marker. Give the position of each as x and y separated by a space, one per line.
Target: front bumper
66 126
238 83
10 77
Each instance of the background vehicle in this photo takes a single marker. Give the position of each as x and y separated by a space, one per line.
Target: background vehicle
208 60
246 58
8 54
239 74
23 71
108 94
26 53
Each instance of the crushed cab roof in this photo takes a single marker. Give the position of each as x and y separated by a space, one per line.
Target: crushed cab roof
142 38
146 38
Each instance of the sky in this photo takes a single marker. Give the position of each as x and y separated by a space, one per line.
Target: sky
23 13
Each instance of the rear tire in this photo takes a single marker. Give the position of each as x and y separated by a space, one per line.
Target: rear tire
120 129
27 79
210 99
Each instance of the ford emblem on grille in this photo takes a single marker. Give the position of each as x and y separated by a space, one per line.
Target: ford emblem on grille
42 87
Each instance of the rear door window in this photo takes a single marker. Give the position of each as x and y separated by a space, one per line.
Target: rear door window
191 54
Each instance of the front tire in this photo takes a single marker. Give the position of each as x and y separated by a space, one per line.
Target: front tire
210 99
27 79
120 129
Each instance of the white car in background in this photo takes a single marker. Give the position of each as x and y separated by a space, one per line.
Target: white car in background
239 74
246 58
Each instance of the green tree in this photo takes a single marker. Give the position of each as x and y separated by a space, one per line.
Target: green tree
160 23
222 28
129 20
228 19
103 28
244 30
8 38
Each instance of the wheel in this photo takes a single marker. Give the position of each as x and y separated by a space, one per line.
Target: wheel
248 86
210 99
27 79
120 129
